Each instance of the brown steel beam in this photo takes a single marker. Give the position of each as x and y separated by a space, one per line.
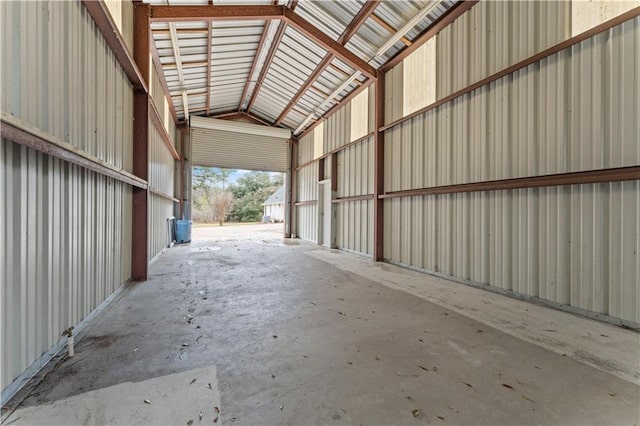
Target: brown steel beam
384 24
209 49
306 203
163 81
294 183
321 162
619 174
446 19
522 64
267 64
164 195
307 84
353 198
363 14
348 32
378 205
253 64
39 141
329 44
334 172
109 30
141 102
215 13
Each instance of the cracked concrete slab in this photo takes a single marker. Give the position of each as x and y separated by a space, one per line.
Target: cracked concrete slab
300 339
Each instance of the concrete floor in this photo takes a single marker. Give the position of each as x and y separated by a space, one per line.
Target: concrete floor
285 332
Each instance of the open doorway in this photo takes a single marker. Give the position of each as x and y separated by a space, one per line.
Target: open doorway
233 204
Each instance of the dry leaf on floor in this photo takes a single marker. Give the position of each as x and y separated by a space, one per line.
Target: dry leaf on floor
216 409
190 422
415 413
146 401
192 382
507 386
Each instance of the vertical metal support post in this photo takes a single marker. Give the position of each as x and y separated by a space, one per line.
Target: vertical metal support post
334 172
293 152
140 197
378 203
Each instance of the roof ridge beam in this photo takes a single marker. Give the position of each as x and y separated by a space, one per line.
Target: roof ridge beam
215 13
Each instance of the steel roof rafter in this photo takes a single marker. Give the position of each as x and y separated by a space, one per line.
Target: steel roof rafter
263 38
219 12
176 54
267 63
363 14
209 48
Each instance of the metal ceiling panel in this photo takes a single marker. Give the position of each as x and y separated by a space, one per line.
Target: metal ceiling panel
234 47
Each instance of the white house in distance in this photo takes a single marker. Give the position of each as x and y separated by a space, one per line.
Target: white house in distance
274 206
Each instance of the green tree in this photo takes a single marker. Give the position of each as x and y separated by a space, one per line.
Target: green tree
250 191
207 182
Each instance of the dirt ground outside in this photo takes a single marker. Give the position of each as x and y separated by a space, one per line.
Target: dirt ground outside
237 231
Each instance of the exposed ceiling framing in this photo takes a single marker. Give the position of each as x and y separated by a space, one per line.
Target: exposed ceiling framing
280 65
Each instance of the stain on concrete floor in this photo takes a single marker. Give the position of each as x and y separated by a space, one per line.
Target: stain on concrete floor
296 340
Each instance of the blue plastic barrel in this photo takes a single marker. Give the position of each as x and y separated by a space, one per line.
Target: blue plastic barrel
183 231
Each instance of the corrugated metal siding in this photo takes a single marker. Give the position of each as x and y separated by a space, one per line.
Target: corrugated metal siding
160 209
65 233
61 77
576 110
575 245
307 215
161 177
570 113
355 218
161 163
122 14
305 148
338 129
161 103
467 52
65 240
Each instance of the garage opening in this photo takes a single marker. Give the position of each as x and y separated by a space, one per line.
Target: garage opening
239 177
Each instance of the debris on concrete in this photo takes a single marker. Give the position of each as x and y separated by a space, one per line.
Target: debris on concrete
146 401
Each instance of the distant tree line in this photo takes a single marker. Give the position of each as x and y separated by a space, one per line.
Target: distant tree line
219 198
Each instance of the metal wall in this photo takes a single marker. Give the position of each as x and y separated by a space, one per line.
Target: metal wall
573 111
65 244
122 14
65 232
161 178
61 77
307 190
355 218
